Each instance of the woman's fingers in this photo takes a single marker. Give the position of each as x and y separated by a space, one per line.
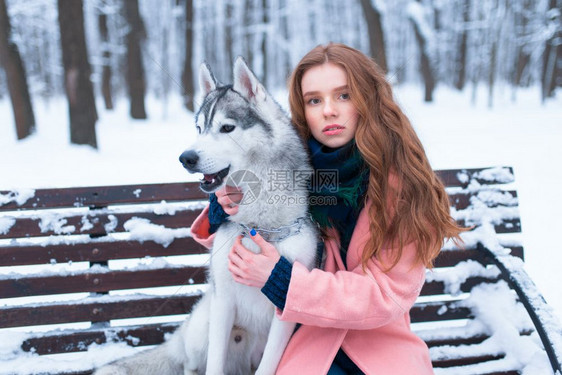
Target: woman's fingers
237 263
229 197
251 268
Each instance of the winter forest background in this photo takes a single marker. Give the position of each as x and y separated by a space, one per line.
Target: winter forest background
129 48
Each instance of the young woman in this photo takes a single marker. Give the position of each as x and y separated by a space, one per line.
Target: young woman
389 223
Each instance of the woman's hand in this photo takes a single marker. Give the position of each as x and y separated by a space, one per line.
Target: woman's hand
229 197
249 268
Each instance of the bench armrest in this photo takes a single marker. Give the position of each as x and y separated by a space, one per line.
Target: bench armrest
542 315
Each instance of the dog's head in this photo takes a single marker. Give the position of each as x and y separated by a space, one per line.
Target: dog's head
232 126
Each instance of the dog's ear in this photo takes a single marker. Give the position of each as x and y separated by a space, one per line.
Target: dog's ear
246 83
207 81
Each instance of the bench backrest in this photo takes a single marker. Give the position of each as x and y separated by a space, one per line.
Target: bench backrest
89 254
59 246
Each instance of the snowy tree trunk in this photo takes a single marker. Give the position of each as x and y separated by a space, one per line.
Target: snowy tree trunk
247 21
135 70
47 57
164 58
188 85
106 71
423 37
462 51
492 72
79 90
523 57
229 32
264 50
552 57
279 43
495 30
376 33
286 66
16 78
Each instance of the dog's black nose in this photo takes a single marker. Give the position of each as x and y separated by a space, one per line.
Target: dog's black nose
189 159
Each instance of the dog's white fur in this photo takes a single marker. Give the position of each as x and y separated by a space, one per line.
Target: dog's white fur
234 328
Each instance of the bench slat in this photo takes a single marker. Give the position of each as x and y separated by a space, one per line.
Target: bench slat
171 305
97 281
449 258
506 226
438 311
471 339
456 341
149 334
438 287
464 361
100 250
77 341
95 251
450 177
93 311
103 196
462 201
31 227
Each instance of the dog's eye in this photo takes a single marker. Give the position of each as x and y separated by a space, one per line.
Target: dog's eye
198 129
227 128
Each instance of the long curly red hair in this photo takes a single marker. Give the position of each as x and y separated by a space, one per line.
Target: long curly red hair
408 201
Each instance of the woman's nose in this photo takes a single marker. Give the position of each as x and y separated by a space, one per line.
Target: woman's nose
329 109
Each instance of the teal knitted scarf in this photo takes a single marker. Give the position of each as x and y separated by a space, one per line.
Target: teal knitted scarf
338 187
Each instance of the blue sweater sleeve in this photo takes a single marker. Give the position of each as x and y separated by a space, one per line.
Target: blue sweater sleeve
277 285
216 214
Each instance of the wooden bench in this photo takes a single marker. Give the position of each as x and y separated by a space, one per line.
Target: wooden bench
89 273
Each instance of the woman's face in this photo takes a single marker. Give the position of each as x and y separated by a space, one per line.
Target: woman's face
329 112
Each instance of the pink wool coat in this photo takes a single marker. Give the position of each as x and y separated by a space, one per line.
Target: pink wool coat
364 312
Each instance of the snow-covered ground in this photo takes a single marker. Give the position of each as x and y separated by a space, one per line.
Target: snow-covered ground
457 133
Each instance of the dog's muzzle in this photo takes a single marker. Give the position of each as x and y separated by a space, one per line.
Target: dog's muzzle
189 159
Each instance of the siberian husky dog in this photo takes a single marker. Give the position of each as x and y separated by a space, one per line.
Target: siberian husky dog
245 139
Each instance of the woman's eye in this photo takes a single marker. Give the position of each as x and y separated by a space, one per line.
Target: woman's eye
313 101
344 96
227 128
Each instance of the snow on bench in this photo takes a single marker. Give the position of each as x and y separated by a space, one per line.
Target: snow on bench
91 274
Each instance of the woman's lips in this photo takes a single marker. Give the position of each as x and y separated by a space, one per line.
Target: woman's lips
333 129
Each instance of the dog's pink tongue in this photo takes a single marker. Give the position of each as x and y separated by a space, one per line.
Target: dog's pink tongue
208 177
